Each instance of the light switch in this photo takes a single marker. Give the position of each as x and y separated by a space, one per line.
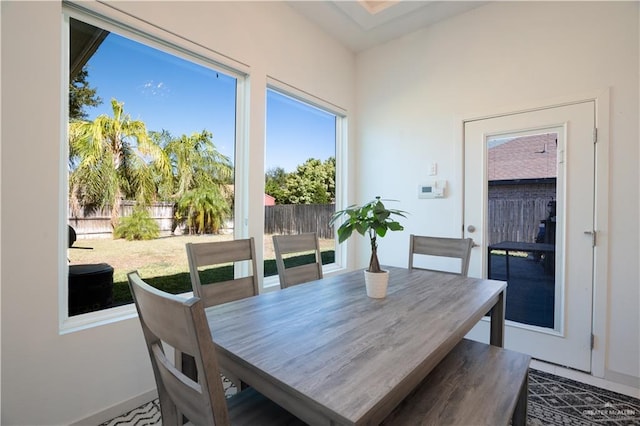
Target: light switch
433 168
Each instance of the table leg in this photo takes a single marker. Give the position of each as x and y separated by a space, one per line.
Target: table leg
496 337
506 253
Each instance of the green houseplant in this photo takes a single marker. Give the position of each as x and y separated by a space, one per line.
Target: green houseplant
372 219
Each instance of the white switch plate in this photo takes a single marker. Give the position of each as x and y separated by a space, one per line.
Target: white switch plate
433 168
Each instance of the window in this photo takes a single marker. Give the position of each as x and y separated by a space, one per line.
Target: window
300 179
152 136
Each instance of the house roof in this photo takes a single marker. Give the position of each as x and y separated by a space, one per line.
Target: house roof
527 157
85 40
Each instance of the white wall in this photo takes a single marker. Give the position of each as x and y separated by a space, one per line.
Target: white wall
413 92
410 93
48 378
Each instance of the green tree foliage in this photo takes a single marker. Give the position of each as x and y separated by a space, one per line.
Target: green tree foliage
110 159
313 182
115 158
276 184
204 209
201 184
139 226
81 95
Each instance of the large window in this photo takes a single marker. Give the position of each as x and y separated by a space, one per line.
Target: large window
300 178
152 135
158 143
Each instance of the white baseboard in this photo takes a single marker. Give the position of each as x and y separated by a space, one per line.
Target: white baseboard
117 409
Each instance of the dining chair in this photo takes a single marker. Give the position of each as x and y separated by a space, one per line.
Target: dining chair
290 247
459 248
181 323
203 258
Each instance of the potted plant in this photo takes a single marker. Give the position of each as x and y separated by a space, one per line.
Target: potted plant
373 219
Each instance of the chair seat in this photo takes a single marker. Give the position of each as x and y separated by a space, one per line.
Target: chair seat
249 408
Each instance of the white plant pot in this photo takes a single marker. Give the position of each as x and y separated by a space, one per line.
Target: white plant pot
376 283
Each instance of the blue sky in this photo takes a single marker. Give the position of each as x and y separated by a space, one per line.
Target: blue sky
170 93
297 132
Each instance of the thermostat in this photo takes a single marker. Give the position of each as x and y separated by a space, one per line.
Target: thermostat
433 189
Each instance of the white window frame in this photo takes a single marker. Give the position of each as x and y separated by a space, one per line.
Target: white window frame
340 259
108 18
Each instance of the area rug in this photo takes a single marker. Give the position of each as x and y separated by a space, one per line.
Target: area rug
553 401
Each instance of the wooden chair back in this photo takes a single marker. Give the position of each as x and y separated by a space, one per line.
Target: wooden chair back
288 245
219 253
459 248
183 325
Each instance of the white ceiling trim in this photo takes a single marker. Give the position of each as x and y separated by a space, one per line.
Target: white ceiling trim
362 24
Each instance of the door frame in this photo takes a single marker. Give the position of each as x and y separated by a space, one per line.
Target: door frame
601 98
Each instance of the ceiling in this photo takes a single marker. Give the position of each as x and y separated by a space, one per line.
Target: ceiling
361 24
358 24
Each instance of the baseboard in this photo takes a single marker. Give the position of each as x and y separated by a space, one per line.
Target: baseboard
624 379
117 409
586 378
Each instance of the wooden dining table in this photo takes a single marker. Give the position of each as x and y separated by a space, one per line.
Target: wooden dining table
331 355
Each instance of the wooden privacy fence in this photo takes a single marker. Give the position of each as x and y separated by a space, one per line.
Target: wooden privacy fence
510 219
299 218
515 219
281 219
97 222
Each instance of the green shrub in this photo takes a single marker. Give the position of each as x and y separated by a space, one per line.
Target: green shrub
138 226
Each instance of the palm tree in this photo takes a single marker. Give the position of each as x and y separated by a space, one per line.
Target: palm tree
110 160
202 176
205 209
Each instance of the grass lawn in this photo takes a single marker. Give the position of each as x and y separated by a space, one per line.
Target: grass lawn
163 262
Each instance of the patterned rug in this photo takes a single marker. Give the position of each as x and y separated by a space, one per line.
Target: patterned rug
553 400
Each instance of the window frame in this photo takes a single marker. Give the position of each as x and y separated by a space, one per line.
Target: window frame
340 261
109 19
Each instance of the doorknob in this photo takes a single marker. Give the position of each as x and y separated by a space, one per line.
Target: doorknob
471 229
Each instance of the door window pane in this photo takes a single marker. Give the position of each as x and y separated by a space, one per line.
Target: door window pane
522 190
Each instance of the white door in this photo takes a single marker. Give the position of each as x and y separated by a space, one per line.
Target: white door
529 207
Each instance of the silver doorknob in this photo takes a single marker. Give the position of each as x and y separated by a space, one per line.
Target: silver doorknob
471 228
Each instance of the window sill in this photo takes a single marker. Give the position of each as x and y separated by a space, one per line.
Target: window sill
99 318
